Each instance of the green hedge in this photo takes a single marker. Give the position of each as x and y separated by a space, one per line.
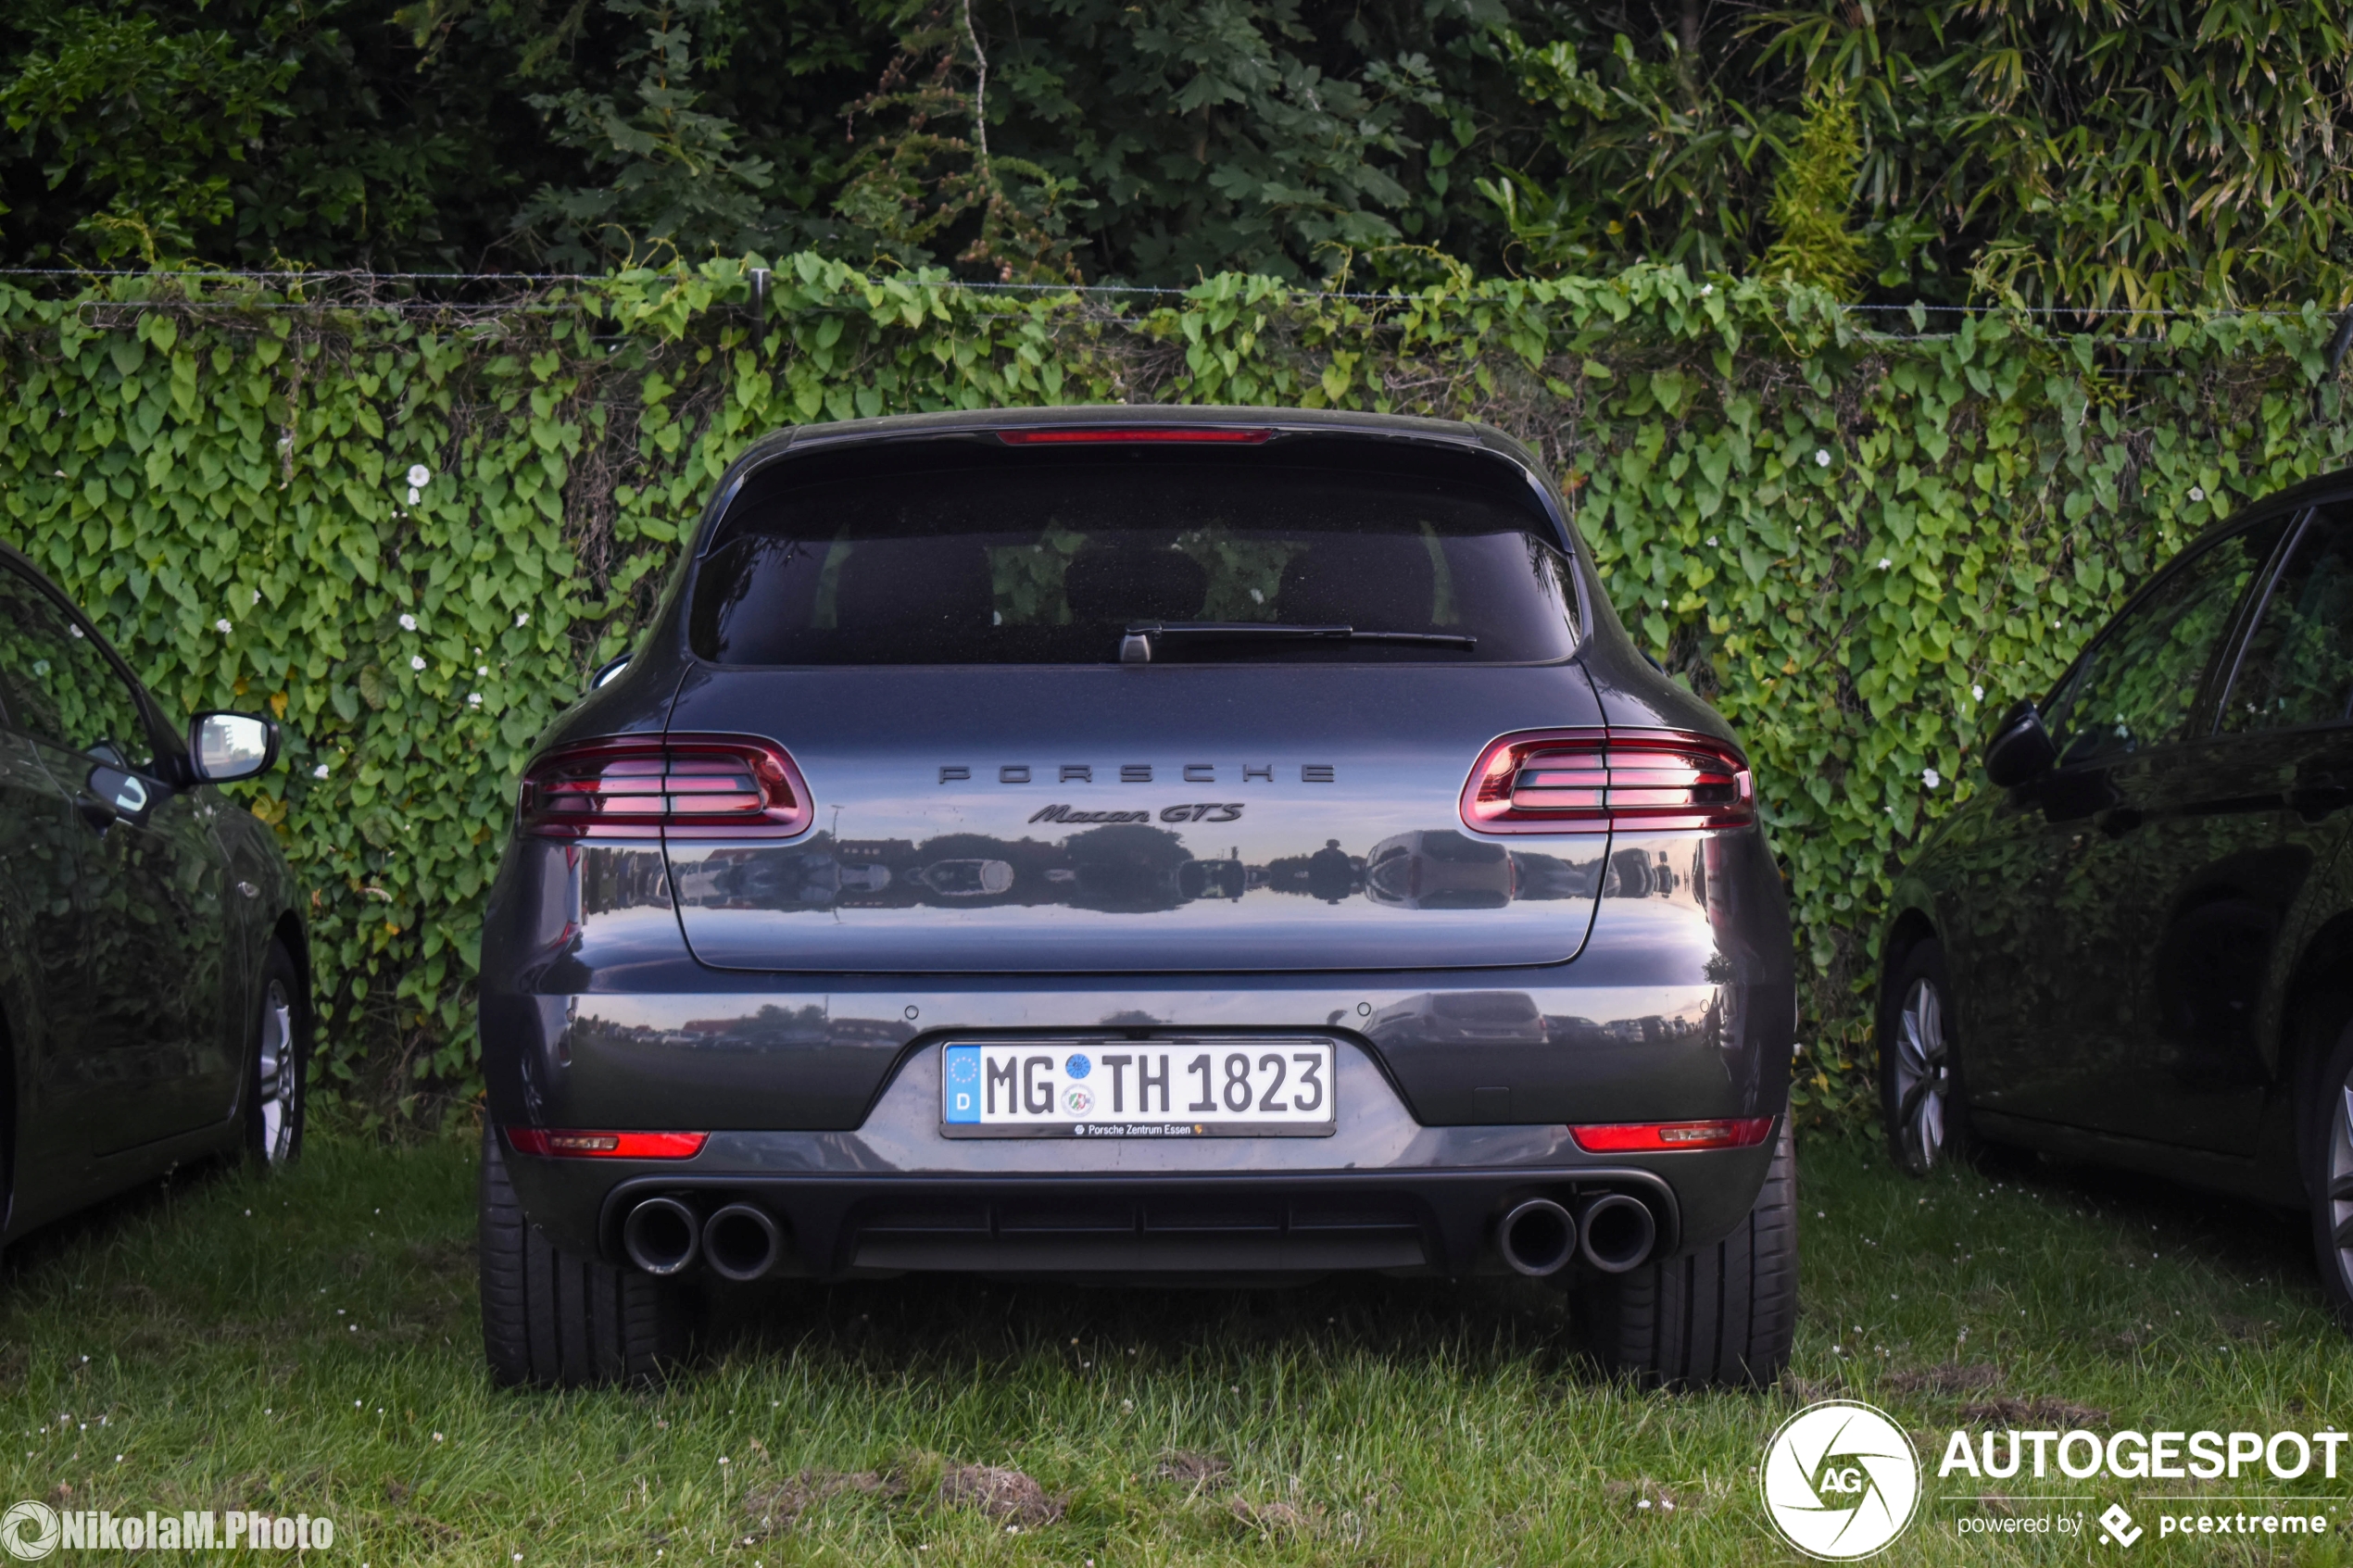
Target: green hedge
1856 536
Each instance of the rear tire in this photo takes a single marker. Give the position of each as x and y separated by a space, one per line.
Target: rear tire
1723 1317
1921 1097
551 1320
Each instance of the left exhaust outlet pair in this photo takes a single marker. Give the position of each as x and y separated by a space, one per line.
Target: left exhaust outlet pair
664 1237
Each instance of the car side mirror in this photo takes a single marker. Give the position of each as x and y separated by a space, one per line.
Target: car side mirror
2021 750
232 745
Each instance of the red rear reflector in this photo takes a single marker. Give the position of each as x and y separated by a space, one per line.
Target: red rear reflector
1116 434
569 1144
1651 1137
689 786
1591 781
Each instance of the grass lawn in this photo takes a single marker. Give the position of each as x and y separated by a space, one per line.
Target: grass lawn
309 1345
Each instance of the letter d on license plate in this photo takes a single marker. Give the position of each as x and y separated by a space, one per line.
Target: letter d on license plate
1173 1088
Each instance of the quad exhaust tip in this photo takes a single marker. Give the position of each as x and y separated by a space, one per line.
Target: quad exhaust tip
662 1235
741 1242
1615 1233
1538 1237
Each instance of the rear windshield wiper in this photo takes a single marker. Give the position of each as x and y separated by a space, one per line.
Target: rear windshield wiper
1135 648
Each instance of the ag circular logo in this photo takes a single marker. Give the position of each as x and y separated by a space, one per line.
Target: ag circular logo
28 1531
1840 1480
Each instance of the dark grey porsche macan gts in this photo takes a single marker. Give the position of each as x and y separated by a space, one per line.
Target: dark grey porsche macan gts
1125 844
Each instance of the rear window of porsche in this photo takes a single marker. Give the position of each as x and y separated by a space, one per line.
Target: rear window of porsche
941 554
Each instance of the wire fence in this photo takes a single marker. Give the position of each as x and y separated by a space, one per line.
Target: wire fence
487 297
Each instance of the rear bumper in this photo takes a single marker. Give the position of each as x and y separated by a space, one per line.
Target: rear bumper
1458 1085
1383 1192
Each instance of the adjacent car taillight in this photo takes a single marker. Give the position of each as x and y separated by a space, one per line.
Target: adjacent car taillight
565 1143
1653 1137
1591 781
686 787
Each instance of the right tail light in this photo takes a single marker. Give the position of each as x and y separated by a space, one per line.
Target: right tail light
1592 780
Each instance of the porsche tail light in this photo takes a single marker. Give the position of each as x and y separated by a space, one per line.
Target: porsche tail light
1134 435
1591 781
686 787
1653 1137
564 1143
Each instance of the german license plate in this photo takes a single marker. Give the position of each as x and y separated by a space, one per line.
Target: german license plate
1137 1089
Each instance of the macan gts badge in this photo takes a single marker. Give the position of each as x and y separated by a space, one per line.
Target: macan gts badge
1399 916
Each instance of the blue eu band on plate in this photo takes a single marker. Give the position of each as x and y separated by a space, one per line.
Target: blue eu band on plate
1138 1089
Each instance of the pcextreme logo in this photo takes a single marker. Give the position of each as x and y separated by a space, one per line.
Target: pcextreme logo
1841 1480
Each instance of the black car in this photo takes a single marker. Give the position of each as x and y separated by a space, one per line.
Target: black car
1126 844
154 1000
2137 947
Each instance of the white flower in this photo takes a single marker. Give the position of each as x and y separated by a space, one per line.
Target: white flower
415 495
2197 491
222 627
416 661
1821 457
407 623
419 475
1711 541
320 772
253 596
481 668
1884 563
1930 777
1706 289
523 617
473 699
1977 694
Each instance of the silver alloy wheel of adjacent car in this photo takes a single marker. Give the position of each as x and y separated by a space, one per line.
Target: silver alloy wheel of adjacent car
1923 1074
278 1066
2340 1189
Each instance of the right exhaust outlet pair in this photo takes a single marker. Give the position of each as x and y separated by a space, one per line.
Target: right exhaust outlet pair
1612 1232
664 1237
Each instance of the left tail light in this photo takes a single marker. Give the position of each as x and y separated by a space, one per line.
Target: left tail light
1592 780
685 786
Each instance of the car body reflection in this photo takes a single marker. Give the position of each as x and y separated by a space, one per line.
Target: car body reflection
1141 869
